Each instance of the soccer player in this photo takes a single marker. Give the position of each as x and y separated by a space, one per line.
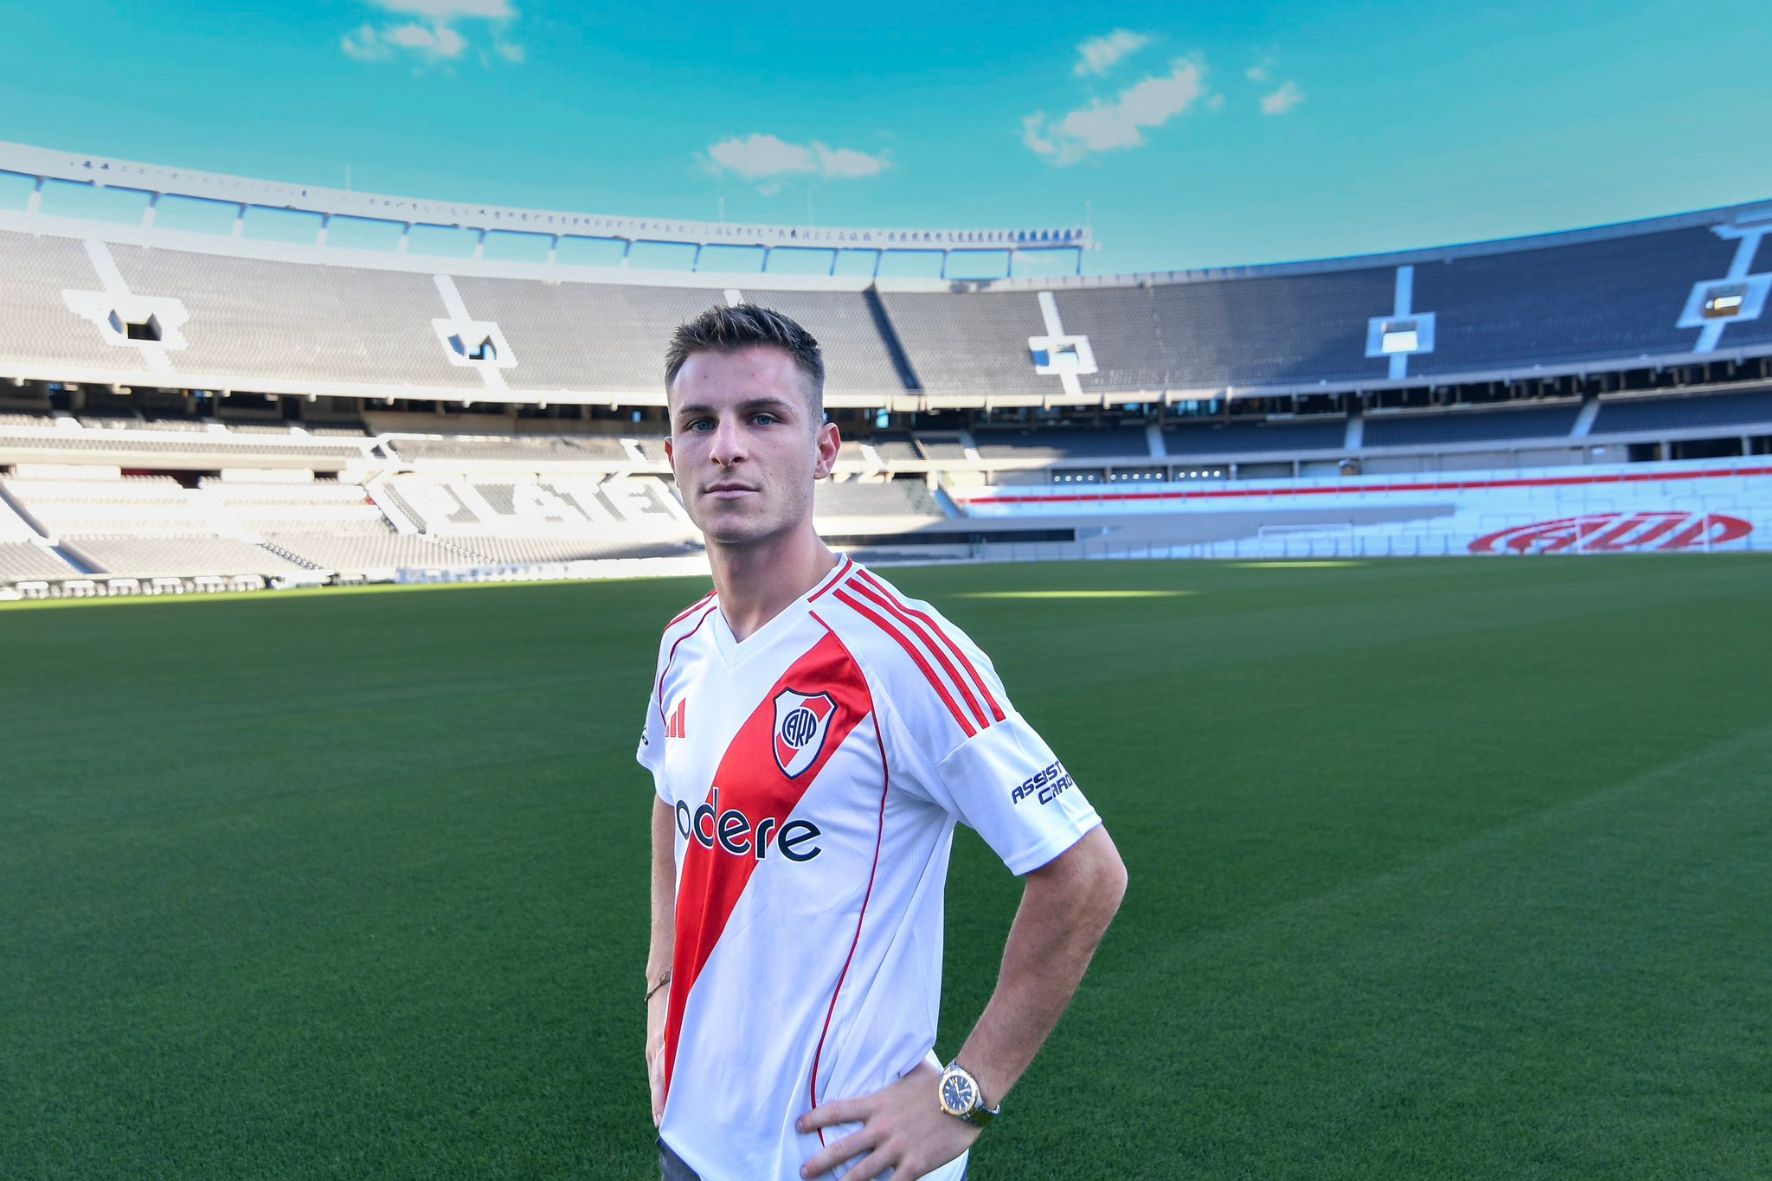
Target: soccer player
813 736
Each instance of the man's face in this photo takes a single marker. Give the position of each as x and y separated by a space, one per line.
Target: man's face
744 446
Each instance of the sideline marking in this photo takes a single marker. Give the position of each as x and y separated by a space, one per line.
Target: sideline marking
1301 564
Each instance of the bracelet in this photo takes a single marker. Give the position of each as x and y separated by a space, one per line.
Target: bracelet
662 981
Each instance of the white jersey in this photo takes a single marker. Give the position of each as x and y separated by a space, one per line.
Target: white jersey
816 770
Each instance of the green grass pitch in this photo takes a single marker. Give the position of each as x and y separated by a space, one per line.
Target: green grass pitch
1445 869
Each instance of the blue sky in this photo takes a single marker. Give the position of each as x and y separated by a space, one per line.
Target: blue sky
1195 135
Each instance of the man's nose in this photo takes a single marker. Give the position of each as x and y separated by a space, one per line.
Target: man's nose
728 444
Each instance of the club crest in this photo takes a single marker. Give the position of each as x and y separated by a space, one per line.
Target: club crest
801 724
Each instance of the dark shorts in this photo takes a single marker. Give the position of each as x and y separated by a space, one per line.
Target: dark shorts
672 1168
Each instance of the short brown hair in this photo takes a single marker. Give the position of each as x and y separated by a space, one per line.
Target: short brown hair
728 329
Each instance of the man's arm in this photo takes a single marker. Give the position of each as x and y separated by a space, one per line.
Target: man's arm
1066 906
1065 909
662 947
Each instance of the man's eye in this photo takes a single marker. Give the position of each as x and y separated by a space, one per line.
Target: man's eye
698 424
763 419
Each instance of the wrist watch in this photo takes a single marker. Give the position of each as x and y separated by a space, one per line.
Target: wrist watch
961 1098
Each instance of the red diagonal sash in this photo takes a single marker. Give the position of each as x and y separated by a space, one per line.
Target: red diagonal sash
750 781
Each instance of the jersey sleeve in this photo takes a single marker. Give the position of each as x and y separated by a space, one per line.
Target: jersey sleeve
977 758
650 753
1006 783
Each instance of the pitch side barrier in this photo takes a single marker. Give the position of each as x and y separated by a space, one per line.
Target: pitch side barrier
1696 506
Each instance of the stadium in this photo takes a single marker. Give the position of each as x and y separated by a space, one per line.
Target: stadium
1443 865
254 404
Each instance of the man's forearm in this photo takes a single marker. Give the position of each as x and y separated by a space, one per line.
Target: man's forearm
664 892
661 947
1066 906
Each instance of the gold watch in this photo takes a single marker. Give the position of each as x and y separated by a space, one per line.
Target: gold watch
961 1098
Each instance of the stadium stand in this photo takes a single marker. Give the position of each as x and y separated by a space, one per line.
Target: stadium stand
21 561
894 447
943 448
137 556
1722 411
36 325
968 345
156 443
1588 301
249 317
291 517
252 316
1248 438
1283 330
1034 444
23 552
888 499
141 505
368 554
566 519
492 549
591 336
545 450
149 526
1473 425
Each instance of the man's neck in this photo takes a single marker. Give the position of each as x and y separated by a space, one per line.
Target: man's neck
756 582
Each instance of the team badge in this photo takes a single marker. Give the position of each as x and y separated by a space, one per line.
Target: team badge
801 724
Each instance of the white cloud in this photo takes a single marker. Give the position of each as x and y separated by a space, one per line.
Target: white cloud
1283 99
1098 55
757 156
432 42
1257 73
1108 126
847 163
364 45
434 37
770 158
1215 103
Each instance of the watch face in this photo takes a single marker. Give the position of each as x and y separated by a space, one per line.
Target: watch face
957 1093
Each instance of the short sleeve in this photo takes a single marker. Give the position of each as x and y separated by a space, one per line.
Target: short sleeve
997 776
953 740
650 753
1006 783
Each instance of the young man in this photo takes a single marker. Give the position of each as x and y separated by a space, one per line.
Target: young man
814 736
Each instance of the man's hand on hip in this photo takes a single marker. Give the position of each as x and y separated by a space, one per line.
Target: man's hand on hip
903 1128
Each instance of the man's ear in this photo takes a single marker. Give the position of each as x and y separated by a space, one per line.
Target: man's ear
829 444
670 455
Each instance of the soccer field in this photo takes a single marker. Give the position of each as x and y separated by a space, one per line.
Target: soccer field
1453 868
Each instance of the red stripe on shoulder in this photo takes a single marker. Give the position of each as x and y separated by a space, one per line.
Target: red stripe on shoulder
984 689
680 616
837 574
672 658
885 625
863 587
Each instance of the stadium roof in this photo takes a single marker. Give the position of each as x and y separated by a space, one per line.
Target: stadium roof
44 165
